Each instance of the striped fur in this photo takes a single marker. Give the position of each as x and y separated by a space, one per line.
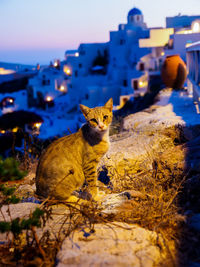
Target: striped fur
72 160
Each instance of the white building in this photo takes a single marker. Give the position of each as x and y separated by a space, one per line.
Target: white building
158 39
46 86
179 33
182 37
98 71
180 21
193 67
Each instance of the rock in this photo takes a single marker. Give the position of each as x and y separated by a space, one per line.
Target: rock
133 152
111 203
111 245
17 210
25 191
156 116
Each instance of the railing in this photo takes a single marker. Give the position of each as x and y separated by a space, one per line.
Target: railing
193 67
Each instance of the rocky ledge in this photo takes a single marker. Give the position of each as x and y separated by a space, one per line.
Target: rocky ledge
145 169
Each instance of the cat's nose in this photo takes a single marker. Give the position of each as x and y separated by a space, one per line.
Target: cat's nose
101 126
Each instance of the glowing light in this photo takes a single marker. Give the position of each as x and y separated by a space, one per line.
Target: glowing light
55 64
2 131
10 100
14 130
141 84
49 98
67 70
196 27
187 31
163 53
62 88
76 54
4 71
37 124
188 44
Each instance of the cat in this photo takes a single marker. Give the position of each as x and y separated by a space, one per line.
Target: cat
71 161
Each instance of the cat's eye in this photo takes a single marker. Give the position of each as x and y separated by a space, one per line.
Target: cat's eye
105 117
94 120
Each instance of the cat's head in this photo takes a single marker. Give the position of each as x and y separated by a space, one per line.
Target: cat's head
98 118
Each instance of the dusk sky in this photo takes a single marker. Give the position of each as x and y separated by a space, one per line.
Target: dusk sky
37 31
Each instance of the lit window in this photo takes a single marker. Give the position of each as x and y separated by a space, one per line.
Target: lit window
141 84
196 27
14 130
49 98
67 70
62 88
37 124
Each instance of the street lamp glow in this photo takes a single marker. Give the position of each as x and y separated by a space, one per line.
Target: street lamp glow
55 64
141 83
37 124
62 88
49 98
67 71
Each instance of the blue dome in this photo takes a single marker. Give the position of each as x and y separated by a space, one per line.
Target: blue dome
134 11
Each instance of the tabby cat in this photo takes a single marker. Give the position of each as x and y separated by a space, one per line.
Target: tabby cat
72 160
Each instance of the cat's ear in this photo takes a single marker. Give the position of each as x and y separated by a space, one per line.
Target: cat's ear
109 104
85 110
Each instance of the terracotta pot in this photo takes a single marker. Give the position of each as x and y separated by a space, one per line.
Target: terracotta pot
174 72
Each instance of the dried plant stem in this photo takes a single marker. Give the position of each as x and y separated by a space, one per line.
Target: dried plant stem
38 242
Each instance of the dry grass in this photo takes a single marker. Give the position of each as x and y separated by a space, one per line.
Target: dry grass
154 205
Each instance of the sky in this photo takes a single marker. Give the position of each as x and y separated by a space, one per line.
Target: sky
37 31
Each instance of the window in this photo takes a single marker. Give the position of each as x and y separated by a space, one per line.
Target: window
125 84
76 73
80 65
122 41
141 67
171 44
135 85
138 18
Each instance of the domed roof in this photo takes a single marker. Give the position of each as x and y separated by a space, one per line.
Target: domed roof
134 11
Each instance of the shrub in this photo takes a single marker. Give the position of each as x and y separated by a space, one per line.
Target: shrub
9 170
